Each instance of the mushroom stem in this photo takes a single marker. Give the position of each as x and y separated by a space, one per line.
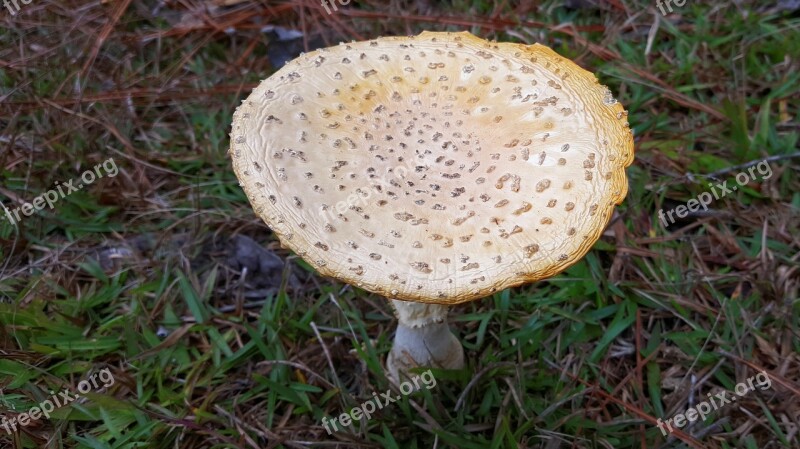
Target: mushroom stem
423 339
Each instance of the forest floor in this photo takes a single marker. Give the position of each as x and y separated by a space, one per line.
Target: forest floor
135 283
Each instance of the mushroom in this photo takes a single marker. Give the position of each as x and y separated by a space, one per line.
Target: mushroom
433 170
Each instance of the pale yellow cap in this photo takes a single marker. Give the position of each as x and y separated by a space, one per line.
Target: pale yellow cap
437 168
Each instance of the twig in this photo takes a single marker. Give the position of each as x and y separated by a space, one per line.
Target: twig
475 380
753 162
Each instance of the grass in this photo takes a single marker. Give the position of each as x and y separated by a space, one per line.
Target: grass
132 273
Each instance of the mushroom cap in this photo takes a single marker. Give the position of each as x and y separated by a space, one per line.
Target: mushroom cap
437 168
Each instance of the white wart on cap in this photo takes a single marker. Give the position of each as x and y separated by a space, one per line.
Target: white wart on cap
437 168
